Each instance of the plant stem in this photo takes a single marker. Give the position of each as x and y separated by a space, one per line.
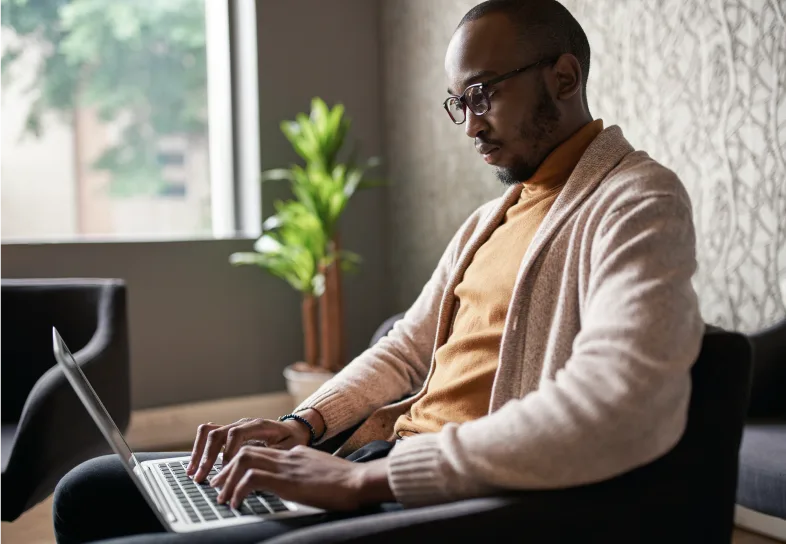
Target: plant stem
310 325
338 309
331 316
325 332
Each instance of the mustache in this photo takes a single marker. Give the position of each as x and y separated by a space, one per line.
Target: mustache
482 140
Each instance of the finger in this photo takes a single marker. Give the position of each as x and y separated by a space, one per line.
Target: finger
246 459
239 435
215 441
199 446
252 480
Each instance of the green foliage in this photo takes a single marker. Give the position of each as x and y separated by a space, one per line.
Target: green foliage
140 63
323 188
292 247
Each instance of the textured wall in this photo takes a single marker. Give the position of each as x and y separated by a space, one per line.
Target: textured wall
701 86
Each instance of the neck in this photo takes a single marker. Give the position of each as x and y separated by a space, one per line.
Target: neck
568 129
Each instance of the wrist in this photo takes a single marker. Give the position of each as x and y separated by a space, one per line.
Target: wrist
299 431
371 483
315 419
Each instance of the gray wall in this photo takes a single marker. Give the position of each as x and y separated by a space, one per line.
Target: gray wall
700 85
199 328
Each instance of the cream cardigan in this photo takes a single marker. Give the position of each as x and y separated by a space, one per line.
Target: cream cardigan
602 329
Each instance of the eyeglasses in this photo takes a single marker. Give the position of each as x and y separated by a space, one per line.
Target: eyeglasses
476 97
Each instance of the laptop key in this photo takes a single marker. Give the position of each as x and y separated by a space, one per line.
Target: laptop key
189 511
245 510
277 505
259 508
223 509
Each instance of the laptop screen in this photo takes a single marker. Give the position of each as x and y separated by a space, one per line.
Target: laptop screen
91 401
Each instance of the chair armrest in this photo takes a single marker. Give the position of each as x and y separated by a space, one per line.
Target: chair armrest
585 514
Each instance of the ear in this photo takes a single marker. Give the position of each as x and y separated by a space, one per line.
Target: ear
567 73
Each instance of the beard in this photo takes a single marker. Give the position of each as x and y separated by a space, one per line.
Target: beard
537 132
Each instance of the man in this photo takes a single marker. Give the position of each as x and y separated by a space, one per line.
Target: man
550 348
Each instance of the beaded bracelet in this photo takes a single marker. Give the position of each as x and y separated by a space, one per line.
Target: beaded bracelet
313 434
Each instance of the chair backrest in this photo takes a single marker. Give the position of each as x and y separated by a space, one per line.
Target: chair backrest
693 486
30 309
385 328
768 383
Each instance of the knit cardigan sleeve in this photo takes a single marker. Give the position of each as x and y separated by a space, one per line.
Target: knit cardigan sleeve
398 364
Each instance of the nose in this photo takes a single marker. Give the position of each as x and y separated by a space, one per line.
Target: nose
474 125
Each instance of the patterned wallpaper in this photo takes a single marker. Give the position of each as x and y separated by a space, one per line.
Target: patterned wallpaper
701 86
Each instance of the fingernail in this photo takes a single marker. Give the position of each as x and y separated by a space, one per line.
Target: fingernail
220 498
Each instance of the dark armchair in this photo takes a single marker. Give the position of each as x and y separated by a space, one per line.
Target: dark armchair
685 496
761 494
45 429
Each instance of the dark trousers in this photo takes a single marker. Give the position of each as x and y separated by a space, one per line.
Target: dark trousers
97 500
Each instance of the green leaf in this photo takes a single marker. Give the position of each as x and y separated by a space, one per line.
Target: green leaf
370 184
353 181
239 259
277 174
320 118
296 240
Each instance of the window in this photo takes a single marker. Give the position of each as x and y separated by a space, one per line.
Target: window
117 119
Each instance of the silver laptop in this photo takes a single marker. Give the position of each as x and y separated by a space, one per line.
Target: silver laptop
180 504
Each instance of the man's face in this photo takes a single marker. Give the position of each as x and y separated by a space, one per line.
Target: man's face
517 133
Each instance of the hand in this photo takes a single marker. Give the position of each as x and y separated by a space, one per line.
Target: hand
303 475
211 438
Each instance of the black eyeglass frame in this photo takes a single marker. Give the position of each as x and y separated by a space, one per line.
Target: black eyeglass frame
485 85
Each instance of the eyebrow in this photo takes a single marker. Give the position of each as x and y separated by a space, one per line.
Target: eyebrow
482 74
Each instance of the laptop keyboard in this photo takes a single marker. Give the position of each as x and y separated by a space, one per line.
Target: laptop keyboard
199 500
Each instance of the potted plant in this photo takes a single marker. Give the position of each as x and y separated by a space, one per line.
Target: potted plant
301 242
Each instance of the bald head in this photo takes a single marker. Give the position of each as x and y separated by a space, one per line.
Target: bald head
542 25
